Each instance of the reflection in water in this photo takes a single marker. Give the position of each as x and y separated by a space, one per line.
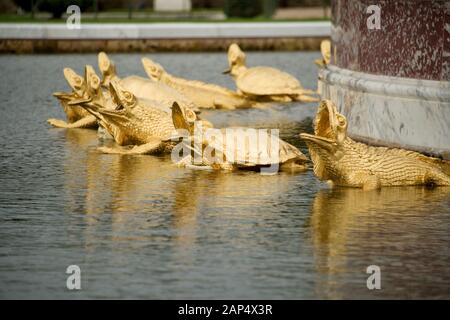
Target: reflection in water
76 143
139 227
146 200
352 229
137 190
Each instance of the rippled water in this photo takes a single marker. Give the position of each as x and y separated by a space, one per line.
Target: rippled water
139 227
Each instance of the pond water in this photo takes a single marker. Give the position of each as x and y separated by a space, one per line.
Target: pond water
139 227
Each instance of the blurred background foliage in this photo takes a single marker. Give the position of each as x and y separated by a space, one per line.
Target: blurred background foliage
231 8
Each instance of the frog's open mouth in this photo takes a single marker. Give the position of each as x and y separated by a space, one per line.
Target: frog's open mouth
63 95
324 143
79 101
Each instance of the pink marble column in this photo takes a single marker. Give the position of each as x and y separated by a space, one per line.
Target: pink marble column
392 83
413 42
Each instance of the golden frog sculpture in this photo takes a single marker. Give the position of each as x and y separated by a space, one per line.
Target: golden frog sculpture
136 123
344 162
92 89
82 88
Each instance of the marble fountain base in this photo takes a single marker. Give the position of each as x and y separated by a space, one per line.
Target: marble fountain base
391 111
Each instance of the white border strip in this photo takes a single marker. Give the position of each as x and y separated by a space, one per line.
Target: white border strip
59 31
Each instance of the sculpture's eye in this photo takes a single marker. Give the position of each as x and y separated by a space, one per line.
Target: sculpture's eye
341 120
77 80
190 115
105 65
127 95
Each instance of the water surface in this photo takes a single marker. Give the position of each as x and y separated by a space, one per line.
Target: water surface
139 227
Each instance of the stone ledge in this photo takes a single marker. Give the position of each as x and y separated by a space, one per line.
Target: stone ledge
391 111
156 45
110 31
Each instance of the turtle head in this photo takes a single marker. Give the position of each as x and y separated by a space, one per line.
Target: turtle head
236 59
183 118
326 144
154 70
107 68
75 81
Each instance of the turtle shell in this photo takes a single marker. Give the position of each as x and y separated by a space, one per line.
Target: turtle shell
242 155
267 81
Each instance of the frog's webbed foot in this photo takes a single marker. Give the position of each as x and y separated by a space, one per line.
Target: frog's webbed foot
58 123
278 98
223 166
371 182
293 166
197 167
113 150
306 98
147 148
86 122
186 161
306 95
364 179
436 178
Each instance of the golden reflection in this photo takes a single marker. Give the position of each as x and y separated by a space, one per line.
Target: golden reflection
139 200
73 167
141 193
349 223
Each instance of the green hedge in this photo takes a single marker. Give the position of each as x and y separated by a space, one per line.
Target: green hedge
55 7
249 8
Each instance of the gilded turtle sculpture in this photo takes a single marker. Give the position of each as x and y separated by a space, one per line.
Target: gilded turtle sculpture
344 162
218 148
204 95
325 50
265 83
